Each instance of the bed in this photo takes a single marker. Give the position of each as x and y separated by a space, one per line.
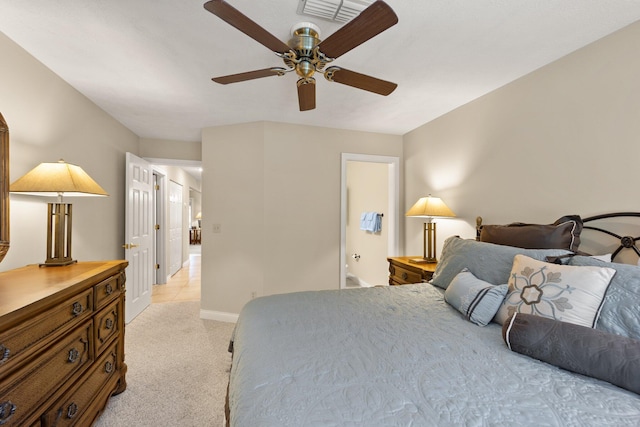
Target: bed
405 356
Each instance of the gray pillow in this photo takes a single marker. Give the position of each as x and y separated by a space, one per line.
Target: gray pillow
487 261
620 312
476 299
576 348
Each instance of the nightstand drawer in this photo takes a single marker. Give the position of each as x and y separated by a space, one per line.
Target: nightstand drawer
402 275
403 272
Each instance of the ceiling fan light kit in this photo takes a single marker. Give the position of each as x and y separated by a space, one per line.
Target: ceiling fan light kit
307 54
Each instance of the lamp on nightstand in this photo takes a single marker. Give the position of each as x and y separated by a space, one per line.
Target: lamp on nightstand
429 207
58 179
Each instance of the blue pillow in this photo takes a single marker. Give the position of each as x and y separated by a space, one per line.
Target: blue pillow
487 261
476 299
620 312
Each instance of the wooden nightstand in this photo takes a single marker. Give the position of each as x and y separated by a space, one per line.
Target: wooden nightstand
403 272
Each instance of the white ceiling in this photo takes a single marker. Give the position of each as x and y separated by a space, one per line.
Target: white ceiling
149 63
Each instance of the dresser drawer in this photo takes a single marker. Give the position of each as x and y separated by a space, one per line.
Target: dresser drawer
107 290
23 341
31 386
106 325
73 407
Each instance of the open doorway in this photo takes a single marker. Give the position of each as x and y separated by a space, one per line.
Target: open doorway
177 273
174 181
363 253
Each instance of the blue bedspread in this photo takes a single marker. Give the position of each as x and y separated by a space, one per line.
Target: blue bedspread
399 356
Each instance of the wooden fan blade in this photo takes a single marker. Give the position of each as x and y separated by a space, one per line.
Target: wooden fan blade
237 19
307 94
371 22
359 81
249 75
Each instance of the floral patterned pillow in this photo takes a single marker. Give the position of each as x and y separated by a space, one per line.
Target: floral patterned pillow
561 292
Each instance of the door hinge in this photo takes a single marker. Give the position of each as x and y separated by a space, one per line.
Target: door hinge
157 187
157 266
157 227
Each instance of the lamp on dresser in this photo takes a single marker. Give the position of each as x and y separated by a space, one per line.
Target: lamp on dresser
58 179
429 207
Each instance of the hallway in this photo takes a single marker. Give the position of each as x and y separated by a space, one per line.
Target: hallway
182 286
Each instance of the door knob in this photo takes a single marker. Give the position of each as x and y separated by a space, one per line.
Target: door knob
130 245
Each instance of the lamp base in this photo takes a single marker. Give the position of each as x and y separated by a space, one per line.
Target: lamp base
58 235
57 263
423 260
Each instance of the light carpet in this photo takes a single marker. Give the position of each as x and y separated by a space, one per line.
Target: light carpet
178 367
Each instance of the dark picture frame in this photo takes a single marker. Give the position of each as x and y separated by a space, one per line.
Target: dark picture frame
4 187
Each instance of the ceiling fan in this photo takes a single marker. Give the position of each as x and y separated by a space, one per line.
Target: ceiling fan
306 54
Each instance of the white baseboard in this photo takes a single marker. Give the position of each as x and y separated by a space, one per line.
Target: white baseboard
220 316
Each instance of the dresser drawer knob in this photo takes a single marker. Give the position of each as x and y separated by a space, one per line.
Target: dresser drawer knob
72 410
4 354
7 409
108 289
108 367
74 354
405 276
77 308
108 323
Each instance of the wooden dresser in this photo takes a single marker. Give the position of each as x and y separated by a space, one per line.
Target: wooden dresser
403 272
61 342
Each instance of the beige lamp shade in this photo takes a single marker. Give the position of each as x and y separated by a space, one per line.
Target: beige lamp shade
199 215
52 179
429 207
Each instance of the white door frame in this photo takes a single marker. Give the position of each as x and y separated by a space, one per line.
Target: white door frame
160 258
176 214
393 217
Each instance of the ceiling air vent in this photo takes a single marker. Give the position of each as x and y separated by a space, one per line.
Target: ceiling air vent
333 10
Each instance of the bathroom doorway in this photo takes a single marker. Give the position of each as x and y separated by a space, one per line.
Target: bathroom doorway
369 183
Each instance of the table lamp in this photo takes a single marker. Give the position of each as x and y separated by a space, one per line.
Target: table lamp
58 179
429 207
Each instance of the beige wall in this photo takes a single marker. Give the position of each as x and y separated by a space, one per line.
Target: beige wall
367 191
170 149
561 140
275 190
49 120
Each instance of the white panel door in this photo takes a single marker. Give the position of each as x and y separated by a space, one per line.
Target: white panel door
138 236
175 227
